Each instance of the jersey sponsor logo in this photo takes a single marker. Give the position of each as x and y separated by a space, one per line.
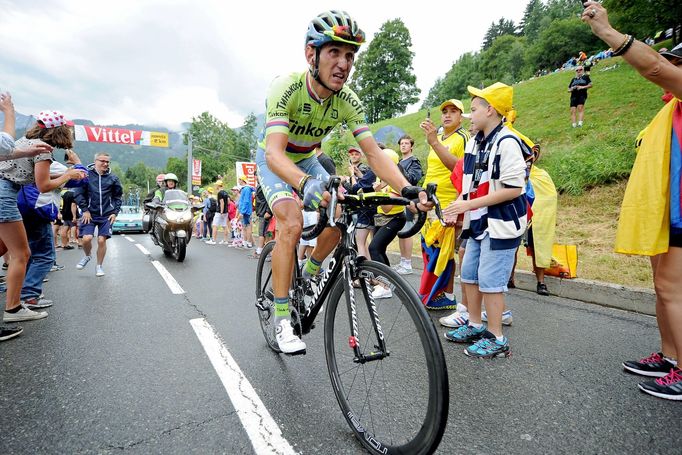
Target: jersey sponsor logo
335 114
352 100
277 114
308 129
307 108
282 103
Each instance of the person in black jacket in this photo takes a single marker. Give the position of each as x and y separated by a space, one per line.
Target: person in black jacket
100 201
412 169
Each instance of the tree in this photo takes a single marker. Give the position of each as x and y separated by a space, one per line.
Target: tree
643 18
246 138
464 72
383 77
561 40
178 166
337 144
502 27
504 60
216 144
531 22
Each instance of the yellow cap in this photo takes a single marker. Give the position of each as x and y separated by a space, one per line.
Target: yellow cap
453 102
500 96
219 183
210 190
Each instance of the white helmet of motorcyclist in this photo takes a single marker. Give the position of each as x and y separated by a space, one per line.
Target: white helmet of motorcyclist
171 176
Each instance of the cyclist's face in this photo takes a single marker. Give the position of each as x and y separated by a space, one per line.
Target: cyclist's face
336 61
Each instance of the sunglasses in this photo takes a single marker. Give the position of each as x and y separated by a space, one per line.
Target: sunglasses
104 161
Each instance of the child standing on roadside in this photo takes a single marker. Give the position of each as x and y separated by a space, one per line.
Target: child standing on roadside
494 208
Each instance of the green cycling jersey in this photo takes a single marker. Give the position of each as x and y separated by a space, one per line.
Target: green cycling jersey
293 108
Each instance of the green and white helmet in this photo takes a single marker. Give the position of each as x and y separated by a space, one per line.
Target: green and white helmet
171 176
336 26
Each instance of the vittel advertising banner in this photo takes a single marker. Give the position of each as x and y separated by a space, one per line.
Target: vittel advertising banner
86 133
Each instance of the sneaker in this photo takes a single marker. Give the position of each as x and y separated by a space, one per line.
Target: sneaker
507 318
381 292
24 314
69 247
402 270
222 242
456 319
573 125
99 271
580 124
286 340
654 366
668 387
210 242
488 348
45 280
542 289
56 267
7 332
467 334
83 262
36 303
441 302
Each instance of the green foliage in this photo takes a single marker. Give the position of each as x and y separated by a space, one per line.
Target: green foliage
465 71
644 18
383 77
178 166
337 144
504 60
140 174
531 22
561 40
500 28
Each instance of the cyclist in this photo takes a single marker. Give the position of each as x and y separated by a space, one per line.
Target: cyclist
301 109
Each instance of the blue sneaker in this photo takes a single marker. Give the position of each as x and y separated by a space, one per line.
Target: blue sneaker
488 348
466 334
441 302
507 318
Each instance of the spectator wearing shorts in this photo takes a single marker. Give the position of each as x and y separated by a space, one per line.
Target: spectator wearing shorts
264 218
210 209
100 201
221 218
245 207
578 88
494 208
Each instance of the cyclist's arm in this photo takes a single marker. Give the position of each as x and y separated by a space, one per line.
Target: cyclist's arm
279 162
382 165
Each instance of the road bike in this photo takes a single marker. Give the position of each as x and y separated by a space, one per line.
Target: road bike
384 357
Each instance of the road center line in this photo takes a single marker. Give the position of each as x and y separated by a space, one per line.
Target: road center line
265 435
130 239
144 250
168 278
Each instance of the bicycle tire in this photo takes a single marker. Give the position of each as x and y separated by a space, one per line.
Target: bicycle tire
416 359
264 298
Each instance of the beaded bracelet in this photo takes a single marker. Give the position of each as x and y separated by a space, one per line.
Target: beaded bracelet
626 45
302 182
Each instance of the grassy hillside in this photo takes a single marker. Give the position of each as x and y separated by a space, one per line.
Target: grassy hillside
589 165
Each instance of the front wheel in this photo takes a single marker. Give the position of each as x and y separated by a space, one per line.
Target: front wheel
180 249
396 403
265 296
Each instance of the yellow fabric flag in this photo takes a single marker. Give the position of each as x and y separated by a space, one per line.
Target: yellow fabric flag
644 223
544 216
435 233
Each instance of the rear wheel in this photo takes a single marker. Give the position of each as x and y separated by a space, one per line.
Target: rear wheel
397 404
265 296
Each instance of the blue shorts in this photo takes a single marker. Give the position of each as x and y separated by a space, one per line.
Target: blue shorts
274 187
9 211
100 222
246 219
489 269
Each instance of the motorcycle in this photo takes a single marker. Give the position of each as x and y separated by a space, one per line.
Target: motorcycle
170 223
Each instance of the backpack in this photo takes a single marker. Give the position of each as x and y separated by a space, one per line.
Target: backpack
212 205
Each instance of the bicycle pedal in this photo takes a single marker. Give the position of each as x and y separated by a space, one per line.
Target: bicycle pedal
293 354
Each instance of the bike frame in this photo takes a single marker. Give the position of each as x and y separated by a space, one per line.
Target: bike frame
344 262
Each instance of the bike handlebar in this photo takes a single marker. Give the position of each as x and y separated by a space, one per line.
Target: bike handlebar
371 200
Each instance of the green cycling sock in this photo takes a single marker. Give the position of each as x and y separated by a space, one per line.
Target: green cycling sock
312 267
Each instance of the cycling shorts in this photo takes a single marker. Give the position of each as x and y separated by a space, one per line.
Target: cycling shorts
274 188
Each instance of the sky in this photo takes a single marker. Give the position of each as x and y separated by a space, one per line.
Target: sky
161 62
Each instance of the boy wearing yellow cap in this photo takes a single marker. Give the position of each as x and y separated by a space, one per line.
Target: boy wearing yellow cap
494 209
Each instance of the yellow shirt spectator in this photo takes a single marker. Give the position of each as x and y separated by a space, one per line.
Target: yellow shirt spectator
438 173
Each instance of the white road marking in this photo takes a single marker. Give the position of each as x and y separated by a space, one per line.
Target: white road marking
144 250
168 278
130 239
265 435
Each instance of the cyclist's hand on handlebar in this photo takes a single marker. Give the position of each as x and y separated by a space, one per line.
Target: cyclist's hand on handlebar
416 192
315 195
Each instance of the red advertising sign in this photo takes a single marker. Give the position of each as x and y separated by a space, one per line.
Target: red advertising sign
248 170
196 172
87 133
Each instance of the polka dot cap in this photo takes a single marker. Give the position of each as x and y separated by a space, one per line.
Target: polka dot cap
53 119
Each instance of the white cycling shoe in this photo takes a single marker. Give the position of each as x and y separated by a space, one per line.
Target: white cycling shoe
286 340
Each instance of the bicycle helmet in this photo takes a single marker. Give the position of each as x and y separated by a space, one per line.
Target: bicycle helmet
171 176
160 178
331 26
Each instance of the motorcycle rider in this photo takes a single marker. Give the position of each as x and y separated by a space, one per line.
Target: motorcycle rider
171 183
159 184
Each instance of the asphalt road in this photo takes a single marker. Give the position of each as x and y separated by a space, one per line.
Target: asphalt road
117 367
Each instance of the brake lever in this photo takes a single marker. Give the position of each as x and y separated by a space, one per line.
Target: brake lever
431 196
334 192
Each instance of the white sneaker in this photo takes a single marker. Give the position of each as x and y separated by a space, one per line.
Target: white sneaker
286 340
24 314
210 242
381 292
83 262
456 319
99 271
507 318
402 270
